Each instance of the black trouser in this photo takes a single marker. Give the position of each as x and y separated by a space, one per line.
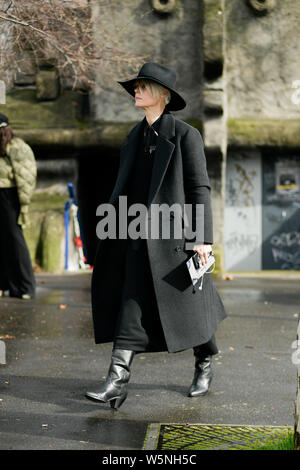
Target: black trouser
207 349
139 327
16 273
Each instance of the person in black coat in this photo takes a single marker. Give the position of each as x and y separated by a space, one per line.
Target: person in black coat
142 296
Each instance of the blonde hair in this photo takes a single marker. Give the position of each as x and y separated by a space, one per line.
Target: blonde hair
154 89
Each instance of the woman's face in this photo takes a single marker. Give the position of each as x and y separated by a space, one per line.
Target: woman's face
144 99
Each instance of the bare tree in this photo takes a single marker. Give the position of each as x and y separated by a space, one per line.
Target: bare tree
58 31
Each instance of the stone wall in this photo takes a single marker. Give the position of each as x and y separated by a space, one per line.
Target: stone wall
188 37
236 63
262 63
261 44
173 38
45 231
51 121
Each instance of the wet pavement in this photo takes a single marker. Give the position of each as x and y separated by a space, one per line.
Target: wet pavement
51 360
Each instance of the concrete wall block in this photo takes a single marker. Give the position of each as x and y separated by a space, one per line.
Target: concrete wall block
44 117
163 7
251 132
47 85
215 132
52 242
261 60
213 101
32 234
172 38
44 232
55 174
262 6
23 79
213 29
26 71
46 240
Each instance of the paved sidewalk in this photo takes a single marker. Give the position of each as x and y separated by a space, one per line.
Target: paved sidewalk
52 360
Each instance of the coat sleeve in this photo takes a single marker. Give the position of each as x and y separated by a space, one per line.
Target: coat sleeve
25 171
196 182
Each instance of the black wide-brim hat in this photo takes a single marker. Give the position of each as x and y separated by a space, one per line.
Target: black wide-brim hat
3 120
163 76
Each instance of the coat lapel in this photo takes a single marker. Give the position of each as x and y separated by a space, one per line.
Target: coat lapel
163 153
127 156
162 156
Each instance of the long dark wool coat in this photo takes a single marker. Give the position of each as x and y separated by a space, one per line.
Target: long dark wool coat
189 317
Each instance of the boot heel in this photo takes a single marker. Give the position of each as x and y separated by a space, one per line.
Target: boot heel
117 402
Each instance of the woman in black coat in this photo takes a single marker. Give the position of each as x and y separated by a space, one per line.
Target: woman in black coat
142 295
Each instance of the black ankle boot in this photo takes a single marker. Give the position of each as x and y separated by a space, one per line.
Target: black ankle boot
202 376
114 389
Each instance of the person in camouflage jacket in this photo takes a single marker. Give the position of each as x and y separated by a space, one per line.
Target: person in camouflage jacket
24 171
17 183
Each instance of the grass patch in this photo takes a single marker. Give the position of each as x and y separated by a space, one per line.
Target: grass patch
225 437
280 443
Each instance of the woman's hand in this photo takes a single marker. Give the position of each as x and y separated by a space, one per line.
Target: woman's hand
203 251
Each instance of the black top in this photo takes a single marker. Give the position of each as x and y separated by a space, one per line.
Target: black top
139 185
142 170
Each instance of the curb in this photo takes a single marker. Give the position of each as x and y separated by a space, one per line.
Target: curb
293 275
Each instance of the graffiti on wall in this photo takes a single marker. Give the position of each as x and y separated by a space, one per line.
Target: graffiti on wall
240 187
281 214
246 242
281 244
